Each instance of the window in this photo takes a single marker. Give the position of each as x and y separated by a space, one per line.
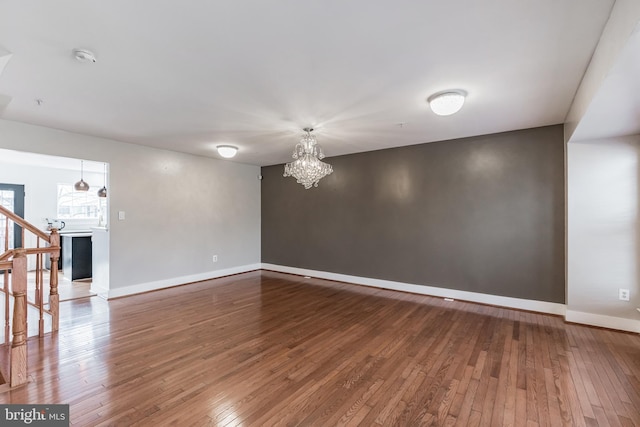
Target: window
77 204
11 198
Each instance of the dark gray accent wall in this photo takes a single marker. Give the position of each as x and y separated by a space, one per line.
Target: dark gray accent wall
481 214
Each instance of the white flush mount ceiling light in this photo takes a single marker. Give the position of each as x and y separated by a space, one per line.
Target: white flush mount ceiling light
227 151
448 102
84 55
307 168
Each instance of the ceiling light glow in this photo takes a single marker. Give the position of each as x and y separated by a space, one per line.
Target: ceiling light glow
227 151
448 102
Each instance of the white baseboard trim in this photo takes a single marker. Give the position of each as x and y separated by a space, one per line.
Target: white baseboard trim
177 281
522 304
623 324
611 322
100 291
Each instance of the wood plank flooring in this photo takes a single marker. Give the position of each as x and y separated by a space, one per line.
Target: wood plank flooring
67 290
267 349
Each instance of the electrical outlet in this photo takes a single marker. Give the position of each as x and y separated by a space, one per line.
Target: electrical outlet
215 258
623 294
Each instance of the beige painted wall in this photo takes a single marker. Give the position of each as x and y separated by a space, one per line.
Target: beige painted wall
603 230
180 209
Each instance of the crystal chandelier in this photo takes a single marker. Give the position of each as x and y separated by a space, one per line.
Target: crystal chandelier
307 168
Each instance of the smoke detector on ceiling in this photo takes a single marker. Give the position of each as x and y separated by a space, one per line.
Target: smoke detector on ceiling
84 55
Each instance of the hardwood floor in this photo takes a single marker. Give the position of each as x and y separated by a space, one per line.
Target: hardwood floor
265 348
66 288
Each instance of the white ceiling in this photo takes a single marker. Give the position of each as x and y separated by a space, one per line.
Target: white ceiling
615 109
187 76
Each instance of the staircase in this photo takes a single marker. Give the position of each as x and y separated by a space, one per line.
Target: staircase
13 268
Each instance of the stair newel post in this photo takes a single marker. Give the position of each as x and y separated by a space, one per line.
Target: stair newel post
7 323
19 343
54 298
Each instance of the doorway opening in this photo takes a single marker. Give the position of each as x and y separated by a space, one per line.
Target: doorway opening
12 198
36 189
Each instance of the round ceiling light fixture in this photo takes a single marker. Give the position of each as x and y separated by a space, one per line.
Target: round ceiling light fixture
448 102
84 55
227 151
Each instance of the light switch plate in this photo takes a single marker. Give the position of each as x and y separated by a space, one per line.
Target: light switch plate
120 215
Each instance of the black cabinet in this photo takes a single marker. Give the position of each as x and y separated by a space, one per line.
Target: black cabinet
76 256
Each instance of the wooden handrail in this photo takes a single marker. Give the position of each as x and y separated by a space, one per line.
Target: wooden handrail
5 256
31 251
47 250
15 260
24 224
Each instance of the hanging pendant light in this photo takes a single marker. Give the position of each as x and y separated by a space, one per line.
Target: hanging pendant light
103 191
307 168
81 185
